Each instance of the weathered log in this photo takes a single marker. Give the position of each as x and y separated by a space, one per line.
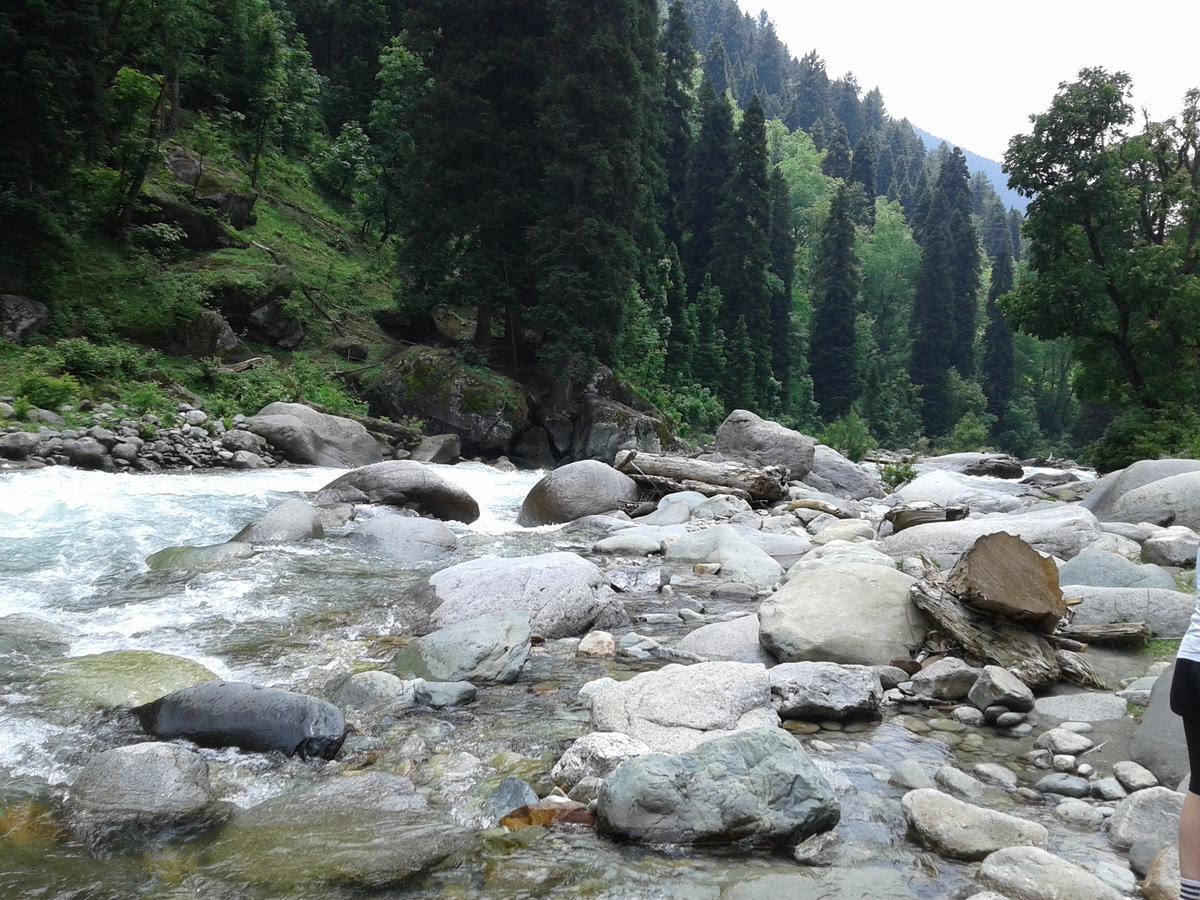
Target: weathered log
656 486
1116 632
1004 576
758 484
1078 670
1026 654
818 506
906 516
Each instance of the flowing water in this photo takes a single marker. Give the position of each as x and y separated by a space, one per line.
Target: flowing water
72 551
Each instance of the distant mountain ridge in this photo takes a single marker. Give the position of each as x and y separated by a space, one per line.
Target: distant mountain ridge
976 163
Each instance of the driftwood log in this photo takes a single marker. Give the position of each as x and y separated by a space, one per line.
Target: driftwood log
1115 633
906 516
822 506
679 473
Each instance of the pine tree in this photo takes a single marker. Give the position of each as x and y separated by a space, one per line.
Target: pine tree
1014 233
741 366
836 279
951 203
932 331
998 372
847 107
681 339
708 173
837 154
811 93
708 360
863 174
679 63
716 66
783 267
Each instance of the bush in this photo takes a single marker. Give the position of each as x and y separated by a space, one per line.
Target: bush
87 360
303 381
893 475
849 436
147 397
971 432
1173 431
48 391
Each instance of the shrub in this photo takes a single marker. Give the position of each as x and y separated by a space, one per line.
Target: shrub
894 475
303 381
48 391
147 397
849 436
1147 434
87 360
970 432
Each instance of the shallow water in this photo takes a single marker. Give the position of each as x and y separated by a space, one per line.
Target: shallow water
72 550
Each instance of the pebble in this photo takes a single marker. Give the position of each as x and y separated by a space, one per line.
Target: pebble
797 726
1116 876
948 725
1084 771
821 746
1066 785
910 775
1063 762
1059 740
1078 812
830 725
955 781
913 724
1040 759
1018 731
995 773
1077 727
1108 789
969 716
1009 719
1134 777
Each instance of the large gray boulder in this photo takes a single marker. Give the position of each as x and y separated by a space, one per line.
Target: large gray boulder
843 612
1061 531
757 787
1166 613
564 594
949 489
304 435
1103 498
1173 546
822 691
1099 568
740 559
583 488
1158 744
732 641
1030 873
675 708
673 509
745 436
959 830
595 755
1152 813
997 686
406 484
290 521
835 474
405 539
19 444
1174 500
490 648
138 790
785 549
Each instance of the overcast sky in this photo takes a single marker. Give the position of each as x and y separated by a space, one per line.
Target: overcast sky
973 72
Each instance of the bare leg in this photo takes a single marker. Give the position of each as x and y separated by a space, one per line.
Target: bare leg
1189 838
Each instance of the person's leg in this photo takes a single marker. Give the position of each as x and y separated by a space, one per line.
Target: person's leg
1185 702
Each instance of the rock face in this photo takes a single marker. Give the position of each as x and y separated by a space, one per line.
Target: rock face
1004 576
1166 613
675 708
1030 873
307 436
595 755
740 560
404 539
962 831
1099 568
564 594
1174 500
605 426
191 559
408 485
745 436
842 612
834 474
490 648
1112 487
733 641
1061 531
821 691
1159 744
136 790
575 490
254 718
21 318
757 787
440 448
292 520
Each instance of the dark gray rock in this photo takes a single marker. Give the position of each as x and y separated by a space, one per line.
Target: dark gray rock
511 793
21 318
490 648
444 694
304 435
1109 490
999 687
745 436
833 473
406 484
290 521
19 444
575 490
1158 744
758 787
604 426
821 690
87 453
240 439
1099 568
440 448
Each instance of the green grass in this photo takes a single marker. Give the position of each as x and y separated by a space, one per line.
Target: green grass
1161 649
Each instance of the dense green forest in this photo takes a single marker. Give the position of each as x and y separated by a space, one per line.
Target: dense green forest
546 186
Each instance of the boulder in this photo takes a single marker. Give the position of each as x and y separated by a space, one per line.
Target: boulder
247 716
1152 813
1166 613
1030 873
745 436
757 787
959 830
138 790
999 687
640 540
123 678
604 427
240 439
833 473
720 506
564 594
575 490
1174 546
31 635
304 435
1158 744
1174 500
995 467
1162 878
1099 568
19 444
192 559
785 549
86 453
375 691
1060 741
406 484
732 641
21 318
673 509
948 489
490 648
740 560
1085 706
1133 777
821 691
675 708
849 530
595 755
405 539
1060 530
947 679
290 521
844 612
440 448
443 694
1004 576
1109 490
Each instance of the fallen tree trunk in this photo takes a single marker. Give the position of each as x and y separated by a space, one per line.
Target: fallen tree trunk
402 434
731 477
1077 670
657 487
1105 634
906 517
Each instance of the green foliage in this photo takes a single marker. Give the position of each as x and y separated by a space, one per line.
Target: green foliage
248 392
345 163
147 397
849 436
833 361
48 391
1138 433
1018 432
895 475
971 432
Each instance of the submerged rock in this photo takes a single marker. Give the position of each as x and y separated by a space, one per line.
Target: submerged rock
575 490
490 648
122 678
405 539
595 755
959 830
248 716
1030 873
403 483
304 435
756 787
292 520
191 559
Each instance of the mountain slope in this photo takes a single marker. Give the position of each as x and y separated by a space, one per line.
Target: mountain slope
976 163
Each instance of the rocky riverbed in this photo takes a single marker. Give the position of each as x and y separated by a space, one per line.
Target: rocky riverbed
711 699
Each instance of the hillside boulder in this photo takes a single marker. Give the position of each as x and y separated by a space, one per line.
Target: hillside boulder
304 435
745 436
21 317
833 473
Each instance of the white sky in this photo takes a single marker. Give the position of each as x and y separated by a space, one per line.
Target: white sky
973 72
